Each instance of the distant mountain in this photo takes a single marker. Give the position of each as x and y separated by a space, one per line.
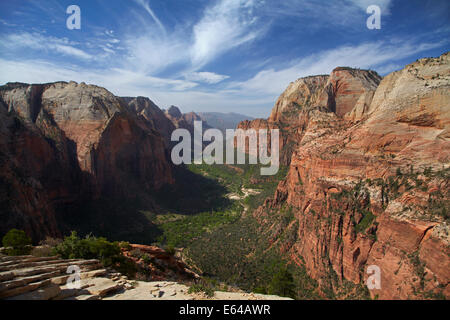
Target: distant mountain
223 121
183 120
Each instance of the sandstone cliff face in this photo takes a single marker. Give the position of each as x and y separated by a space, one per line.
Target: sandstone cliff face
369 185
153 114
184 120
345 92
65 141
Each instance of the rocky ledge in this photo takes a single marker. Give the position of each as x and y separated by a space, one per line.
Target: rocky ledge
45 278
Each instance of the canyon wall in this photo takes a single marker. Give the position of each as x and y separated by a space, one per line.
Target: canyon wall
368 178
67 142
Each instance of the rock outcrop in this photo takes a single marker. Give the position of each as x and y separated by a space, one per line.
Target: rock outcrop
345 93
184 120
46 278
368 178
63 142
158 264
52 278
153 114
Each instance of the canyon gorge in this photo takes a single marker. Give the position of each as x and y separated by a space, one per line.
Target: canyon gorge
367 171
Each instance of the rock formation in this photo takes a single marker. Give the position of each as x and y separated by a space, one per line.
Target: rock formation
342 93
184 120
66 141
153 114
368 177
45 278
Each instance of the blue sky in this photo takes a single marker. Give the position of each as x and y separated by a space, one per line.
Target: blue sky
216 55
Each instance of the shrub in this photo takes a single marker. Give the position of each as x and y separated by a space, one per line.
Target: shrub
108 253
137 253
260 290
146 258
198 287
170 250
17 243
125 245
50 242
366 221
88 248
282 284
42 251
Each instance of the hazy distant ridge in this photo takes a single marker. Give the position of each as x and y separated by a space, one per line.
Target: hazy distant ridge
223 121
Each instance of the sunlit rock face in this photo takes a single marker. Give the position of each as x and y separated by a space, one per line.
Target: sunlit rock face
368 177
64 141
345 93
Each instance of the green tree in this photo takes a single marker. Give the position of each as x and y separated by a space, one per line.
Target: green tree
17 242
282 284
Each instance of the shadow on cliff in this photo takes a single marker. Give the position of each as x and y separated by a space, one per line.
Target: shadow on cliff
125 219
191 194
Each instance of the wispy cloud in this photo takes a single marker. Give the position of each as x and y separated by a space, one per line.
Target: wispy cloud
224 26
146 5
120 81
192 60
384 5
256 95
39 42
366 55
151 53
324 14
206 77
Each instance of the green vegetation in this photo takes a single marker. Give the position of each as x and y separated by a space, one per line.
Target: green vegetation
180 232
358 200
197 288
180 229
438 203
17 243
366 221
206 286
282 284
237 255
240 252
109 253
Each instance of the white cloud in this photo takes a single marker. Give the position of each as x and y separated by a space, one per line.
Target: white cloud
39 42
224 26
322 14
120 81
146 6
364 4
151 53
168 64
366 55
256 95
207 77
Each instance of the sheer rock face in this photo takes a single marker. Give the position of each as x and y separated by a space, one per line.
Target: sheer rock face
153 114
361 190
351 89
184 120
63 141
344 93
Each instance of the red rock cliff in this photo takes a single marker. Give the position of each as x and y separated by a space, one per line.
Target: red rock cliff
368 178
63 141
